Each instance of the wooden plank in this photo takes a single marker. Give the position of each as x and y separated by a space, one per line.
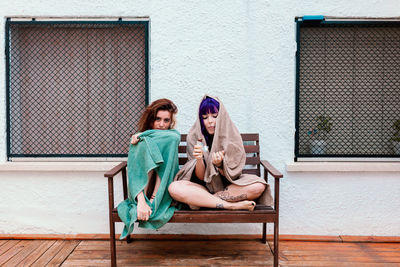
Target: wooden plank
249 160
335 264
310 238
252 149
12 248
182 160
115 170
251 171
245 137
6 246
145 245
92 262
63 253
250 136
49 254
28 248
4 238
36 253
349 238
2 242
252 161
183 137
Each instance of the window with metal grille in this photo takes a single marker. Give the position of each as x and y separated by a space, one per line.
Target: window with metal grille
75 89
348 89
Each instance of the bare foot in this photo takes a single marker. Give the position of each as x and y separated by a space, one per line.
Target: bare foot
194 207
242 205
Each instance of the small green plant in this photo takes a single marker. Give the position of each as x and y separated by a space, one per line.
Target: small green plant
323 127
396 134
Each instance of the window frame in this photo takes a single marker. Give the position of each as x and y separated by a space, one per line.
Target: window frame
318 20
68 20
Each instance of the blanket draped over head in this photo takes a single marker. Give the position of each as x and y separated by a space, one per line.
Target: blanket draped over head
157 150
228 139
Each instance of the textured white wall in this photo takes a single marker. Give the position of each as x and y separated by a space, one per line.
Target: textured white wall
243 52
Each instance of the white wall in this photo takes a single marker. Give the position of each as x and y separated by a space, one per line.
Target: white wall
243 52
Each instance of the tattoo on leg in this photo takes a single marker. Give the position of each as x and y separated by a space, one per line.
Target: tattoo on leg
220 206
224 195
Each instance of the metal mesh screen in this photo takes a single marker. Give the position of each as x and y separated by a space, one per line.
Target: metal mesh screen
75 89
349 90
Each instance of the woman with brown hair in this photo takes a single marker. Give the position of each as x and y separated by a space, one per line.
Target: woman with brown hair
152 165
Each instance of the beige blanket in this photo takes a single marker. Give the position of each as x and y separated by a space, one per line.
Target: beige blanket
227 138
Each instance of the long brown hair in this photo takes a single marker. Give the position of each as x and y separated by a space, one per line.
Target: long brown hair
150 113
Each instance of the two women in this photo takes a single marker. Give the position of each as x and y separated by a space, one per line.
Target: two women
211 178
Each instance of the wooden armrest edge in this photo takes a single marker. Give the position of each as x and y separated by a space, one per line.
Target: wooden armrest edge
271 169
111 173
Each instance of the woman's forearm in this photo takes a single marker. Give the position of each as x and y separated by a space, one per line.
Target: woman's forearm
200 169
140 196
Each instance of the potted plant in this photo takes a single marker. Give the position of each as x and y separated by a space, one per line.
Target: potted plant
319 133
396 137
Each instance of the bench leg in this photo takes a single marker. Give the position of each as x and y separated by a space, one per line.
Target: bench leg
112 245
276 244
264 233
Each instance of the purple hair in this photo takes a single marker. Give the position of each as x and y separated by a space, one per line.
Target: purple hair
208 105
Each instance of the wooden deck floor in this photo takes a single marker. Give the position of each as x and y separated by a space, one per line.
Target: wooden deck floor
196 253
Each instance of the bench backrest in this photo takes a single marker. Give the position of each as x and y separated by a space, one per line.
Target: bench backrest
251 146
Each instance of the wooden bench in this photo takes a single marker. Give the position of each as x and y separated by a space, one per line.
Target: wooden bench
261 214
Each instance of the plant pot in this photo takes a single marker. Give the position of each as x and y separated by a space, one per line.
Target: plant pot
396 147
318 147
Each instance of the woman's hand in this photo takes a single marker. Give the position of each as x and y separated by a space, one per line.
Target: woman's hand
217 158
143 210
135 139
198 152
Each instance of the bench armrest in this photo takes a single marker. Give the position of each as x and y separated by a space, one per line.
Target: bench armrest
271 169
114 171
110 175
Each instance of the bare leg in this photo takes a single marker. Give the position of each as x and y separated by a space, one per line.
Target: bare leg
156 186
152 185
235 193
196 195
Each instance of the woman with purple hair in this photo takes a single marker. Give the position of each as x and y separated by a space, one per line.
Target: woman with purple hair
212 177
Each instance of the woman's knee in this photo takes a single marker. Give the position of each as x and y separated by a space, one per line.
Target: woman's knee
176 190
257 189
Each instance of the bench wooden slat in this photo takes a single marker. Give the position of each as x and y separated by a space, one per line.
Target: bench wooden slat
249 160
247 149
222 218
252 161
245 137
262 213
250 137
183 137
252 149
182 161
251 171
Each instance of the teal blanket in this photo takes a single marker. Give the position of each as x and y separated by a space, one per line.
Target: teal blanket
158 150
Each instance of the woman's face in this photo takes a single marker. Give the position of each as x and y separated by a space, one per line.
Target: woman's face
163 120
210 120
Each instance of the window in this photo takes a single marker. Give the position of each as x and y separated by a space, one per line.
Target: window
347 89
75 88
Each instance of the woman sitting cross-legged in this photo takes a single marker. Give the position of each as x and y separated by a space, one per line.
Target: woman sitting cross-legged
152 165
212 177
